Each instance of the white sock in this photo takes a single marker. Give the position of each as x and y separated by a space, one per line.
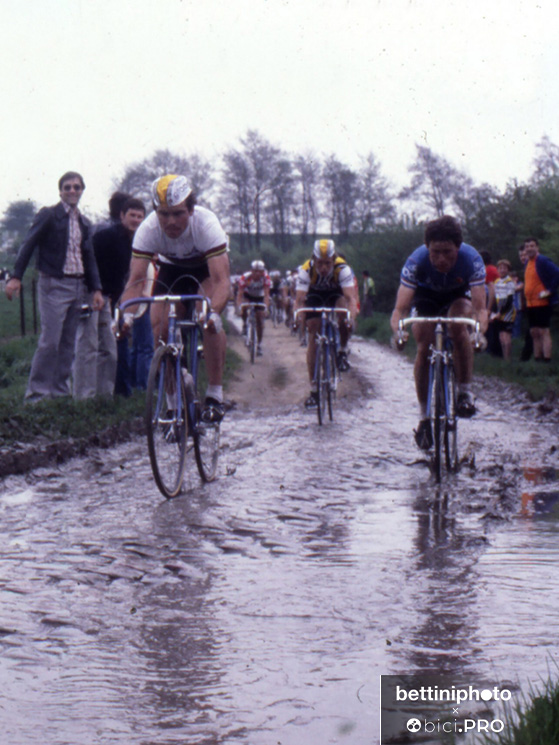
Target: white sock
215 391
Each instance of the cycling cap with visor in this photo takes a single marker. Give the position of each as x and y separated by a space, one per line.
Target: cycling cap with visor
258 266
170 190
324 249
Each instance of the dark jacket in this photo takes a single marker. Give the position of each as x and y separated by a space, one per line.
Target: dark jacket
548 272
49 232
113 250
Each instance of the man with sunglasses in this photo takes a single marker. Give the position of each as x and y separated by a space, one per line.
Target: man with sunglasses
68 281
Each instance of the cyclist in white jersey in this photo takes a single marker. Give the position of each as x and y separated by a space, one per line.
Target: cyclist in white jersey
192 251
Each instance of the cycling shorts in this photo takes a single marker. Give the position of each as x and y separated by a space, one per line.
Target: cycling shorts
251 299
325 299
505 326
428 303
539 317
180 280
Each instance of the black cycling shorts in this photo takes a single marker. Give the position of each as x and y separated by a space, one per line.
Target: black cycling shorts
540 317
179 280
325 299
429 303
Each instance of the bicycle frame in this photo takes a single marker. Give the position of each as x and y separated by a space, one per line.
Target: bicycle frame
441 397
326 373
173 376
251 340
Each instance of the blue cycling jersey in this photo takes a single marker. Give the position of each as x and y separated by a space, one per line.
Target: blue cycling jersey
468 271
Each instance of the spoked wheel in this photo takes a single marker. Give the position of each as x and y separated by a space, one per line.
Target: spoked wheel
167 430
329 366
206 435
451 422
252 340
437 419
321 383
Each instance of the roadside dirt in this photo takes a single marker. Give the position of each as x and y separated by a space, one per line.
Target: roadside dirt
279 378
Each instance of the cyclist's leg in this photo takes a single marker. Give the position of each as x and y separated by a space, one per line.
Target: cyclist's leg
215 347
424 336
463 357
313 326
259 326
345 334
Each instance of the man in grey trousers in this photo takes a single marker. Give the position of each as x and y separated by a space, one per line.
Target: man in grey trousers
68 280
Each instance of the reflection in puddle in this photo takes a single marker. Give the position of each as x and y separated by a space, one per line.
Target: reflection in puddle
263 608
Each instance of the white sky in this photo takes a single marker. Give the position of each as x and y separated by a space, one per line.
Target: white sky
95 85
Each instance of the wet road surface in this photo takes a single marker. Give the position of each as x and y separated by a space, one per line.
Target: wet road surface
262 608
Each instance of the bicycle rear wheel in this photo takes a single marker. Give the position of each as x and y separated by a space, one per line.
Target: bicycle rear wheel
167 430
206 436
437 418
451 421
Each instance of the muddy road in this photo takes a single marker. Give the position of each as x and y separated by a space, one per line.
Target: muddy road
261 609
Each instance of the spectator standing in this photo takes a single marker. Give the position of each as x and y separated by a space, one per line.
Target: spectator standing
116 203
368 293
141 351
102 365
541 279
505 312
68 279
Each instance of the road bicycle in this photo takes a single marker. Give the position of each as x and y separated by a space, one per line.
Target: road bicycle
276 310
251 339
441 400
174 397
326 372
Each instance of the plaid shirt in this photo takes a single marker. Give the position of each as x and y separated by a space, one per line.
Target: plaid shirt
73 263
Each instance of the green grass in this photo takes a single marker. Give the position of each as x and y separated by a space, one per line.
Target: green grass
533 721
539 380
64 417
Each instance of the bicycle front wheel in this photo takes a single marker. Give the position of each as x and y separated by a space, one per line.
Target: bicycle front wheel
206 435
437 417
166 422
321 383
252 340
451 421
329 365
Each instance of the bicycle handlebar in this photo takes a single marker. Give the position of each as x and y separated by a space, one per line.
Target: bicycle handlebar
173 299
252 305
446 320
345 311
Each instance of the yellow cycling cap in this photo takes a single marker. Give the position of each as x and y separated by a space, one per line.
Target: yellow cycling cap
324 249
170 190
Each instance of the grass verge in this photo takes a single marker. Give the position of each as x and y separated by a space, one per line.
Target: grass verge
539 380
533 721
61 418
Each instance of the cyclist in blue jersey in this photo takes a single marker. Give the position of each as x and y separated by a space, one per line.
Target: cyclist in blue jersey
445 276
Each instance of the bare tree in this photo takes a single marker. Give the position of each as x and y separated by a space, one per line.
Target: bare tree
374 205
435 182
546 163
340 192
307 169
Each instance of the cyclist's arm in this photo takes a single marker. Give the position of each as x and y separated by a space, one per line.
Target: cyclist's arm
351 296
479 307
220 282
404 300
300 298
136 281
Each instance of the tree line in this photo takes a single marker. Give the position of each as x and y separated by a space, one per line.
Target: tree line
275 203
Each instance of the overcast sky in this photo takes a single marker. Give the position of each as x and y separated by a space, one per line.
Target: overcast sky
95 85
